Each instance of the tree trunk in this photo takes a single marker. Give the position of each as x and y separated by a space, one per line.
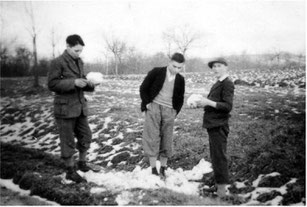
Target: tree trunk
36 83
184 69
107 72
53 51
116 66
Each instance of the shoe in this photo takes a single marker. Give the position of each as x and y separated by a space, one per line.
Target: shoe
71 174
221 190
154 171
162 171
83 167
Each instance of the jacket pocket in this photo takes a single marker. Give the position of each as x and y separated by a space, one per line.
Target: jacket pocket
60 107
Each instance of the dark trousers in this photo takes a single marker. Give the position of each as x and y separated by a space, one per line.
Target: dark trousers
218 146
68 129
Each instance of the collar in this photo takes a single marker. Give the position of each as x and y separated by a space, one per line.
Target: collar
70 57
169 75
223 77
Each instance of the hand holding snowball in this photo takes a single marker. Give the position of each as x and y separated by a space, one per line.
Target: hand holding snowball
193 99
94 78
205 102
80 82
197 100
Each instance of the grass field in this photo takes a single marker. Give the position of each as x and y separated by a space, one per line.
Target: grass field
267 135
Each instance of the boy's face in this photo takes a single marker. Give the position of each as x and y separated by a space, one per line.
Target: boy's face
175 67
219 69
75 51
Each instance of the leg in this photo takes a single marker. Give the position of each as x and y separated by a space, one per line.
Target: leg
151 135
152 161
67 142
84 136
166 145
163 161
67 139
69 162
167 128
82 156
218 146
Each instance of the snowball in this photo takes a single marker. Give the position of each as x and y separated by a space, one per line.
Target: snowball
191 102
95 77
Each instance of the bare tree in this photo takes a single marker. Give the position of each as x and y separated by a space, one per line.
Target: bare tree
117 47
33 32
182 37
106 54
54 40
277 55
167 39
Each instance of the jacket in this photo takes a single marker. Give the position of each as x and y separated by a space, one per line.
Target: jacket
221 92
69 100
153 83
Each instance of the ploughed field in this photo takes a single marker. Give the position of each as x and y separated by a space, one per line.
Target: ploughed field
266 144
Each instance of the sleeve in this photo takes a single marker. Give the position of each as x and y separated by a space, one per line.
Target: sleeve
227 97
88 88
145 87
56 83
181 94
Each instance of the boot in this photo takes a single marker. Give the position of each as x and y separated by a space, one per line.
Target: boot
83 167
154 171
162 171
221 190
71 174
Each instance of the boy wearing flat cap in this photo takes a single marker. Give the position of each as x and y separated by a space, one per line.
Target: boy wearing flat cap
217 107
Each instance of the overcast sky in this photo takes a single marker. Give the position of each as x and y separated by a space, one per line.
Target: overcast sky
226 27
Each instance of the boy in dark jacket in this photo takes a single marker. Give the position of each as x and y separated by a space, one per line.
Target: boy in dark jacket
217 112
66 78
162 94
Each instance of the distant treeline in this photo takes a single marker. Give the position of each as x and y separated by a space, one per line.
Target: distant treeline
19 64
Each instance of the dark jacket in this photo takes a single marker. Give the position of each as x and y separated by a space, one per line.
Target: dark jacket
221 92
69 100
153 83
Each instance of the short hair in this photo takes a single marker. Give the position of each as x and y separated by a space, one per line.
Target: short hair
73 40
178 57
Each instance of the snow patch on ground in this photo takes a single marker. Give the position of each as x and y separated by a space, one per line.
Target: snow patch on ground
176 180
8 183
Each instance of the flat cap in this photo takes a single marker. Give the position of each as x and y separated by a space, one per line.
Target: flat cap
217 60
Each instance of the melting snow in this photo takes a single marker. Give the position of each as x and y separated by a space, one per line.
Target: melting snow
177 180
8 183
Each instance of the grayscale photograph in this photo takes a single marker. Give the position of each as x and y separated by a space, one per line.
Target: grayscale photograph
153 102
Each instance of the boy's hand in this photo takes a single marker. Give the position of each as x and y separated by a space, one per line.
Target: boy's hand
202 102
206 102
91 84
80 82
194 106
